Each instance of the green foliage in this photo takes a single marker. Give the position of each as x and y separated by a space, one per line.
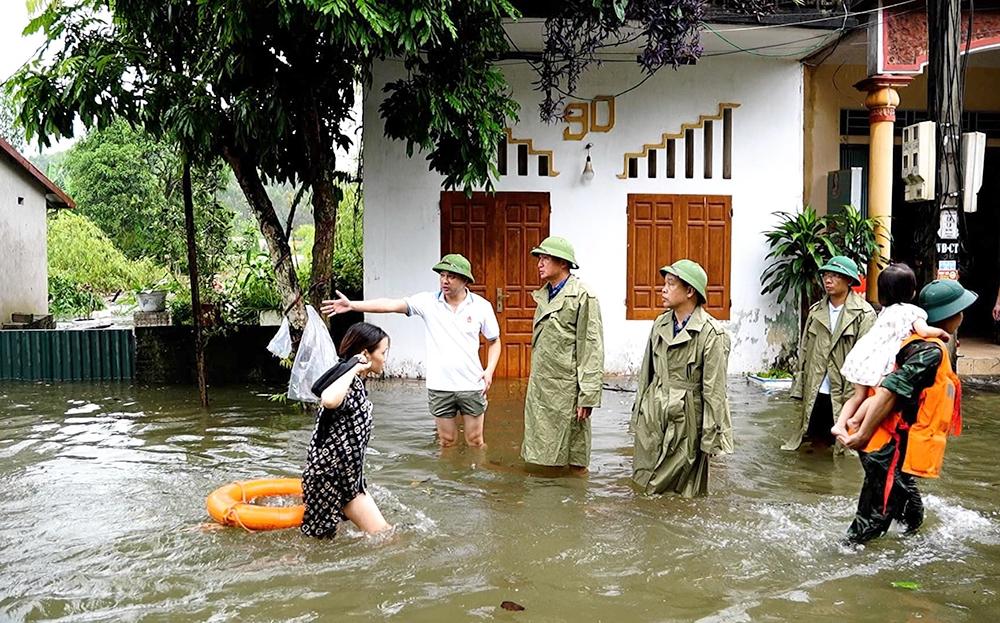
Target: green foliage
348 250
254 286
801 243
80 253
855 236
10 130
799 246
68 299
775 373
180 308
129 185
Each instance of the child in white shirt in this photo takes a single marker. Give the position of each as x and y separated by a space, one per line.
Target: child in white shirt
874 354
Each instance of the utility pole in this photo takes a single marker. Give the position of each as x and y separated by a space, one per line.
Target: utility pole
944 104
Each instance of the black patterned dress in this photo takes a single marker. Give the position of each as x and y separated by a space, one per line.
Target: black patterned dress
335 465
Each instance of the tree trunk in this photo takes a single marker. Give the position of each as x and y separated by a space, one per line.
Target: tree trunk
325 201
192 253
245 170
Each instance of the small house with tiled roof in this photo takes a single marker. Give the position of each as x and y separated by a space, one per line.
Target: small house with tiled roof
26 195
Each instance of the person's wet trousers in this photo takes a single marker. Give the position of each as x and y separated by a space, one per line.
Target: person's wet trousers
874 515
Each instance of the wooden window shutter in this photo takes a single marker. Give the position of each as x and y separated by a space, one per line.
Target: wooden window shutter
665 228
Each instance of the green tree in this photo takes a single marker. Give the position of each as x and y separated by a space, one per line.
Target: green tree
9 128
268 85
128 183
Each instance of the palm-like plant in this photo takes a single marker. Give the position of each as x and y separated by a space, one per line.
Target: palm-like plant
855 236
799 245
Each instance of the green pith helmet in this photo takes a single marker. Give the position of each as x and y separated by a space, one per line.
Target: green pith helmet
944 298
455 263
557 247
842 265
691 273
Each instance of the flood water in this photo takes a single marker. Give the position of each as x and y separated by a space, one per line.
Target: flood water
102 492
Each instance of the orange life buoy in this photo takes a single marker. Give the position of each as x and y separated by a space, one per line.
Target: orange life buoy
230 504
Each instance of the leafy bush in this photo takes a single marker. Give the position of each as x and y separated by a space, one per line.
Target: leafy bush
80 253
68 299
254 285
775 373
180 308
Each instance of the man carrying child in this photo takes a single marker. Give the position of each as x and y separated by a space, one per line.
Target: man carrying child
907 420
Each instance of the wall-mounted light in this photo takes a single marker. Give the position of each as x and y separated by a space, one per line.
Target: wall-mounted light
588 168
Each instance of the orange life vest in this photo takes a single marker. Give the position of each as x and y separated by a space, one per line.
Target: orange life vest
938 414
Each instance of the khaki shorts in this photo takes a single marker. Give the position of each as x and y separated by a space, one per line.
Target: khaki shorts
449 404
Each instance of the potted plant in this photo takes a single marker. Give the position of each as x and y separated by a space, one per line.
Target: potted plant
799 245
255 288
772 379
854 235
153 297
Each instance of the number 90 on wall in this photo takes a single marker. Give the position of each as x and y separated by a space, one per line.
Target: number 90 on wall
597 115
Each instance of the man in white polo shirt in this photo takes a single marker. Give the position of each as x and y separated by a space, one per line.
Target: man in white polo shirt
454 317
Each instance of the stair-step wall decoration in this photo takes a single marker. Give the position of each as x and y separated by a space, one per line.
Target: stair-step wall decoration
645 163
524 150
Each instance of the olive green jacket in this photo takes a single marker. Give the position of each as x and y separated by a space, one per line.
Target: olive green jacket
567 371
681 414
822 350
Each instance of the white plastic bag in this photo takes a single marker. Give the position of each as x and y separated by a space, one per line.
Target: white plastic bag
316 355
281 344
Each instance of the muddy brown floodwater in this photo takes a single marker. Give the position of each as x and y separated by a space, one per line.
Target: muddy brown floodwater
102 491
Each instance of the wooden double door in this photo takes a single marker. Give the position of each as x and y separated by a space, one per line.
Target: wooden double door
497 232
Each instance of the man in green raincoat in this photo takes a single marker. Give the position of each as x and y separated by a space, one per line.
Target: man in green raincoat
567 363
832 327
681 415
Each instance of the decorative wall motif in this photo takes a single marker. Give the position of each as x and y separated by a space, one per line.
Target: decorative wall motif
903 37
525 148
667 147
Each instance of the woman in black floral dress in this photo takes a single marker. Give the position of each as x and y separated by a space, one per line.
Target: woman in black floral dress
333 482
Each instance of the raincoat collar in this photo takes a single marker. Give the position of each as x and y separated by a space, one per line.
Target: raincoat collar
664 328
853 307
570 288
554 291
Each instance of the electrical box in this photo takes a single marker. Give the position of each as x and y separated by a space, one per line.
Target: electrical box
973 155
843 187
919 161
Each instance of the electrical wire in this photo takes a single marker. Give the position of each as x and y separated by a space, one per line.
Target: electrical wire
737 50
542 20
827 38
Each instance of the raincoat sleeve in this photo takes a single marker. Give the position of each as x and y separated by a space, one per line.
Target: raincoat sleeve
800 364
589 353
717 423
644 379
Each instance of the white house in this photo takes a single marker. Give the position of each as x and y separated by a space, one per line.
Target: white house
25 195
690 163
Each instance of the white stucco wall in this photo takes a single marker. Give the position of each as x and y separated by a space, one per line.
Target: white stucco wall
402 229
23 249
